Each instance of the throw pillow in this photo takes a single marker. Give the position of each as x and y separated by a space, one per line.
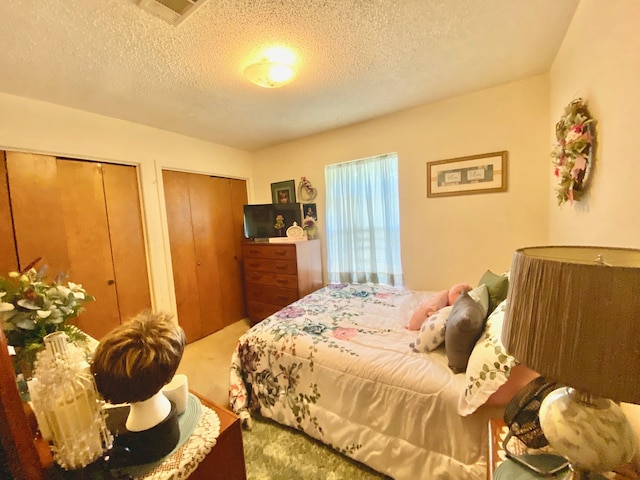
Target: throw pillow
456 290
498 286
432 332
492 376
464 327
481 295
429 306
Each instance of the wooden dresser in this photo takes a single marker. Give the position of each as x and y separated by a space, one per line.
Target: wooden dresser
277 274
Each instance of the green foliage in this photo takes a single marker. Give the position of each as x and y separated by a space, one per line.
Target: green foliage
31 308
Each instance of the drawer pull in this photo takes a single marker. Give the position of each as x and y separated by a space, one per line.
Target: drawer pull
281 281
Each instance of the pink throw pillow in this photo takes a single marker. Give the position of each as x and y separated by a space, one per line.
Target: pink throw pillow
429 306
456 290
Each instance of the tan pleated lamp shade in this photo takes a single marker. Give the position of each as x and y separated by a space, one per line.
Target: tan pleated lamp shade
573 315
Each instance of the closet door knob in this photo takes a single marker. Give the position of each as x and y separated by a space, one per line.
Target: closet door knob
110 282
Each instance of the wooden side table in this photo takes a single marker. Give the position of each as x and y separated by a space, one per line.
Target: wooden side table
226 459
495 447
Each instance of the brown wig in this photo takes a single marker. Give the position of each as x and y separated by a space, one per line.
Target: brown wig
136 359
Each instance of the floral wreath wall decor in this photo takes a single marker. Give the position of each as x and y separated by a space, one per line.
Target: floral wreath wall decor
574 152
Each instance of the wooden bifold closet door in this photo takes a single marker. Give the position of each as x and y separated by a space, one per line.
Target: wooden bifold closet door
204 216
83 218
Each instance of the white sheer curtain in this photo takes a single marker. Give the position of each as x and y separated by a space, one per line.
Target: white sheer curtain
363 221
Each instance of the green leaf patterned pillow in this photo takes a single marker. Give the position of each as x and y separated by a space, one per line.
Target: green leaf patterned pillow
489 365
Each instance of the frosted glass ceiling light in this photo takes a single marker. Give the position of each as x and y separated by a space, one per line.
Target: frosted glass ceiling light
269 74
273 70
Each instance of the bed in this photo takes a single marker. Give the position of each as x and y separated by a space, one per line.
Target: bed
338 364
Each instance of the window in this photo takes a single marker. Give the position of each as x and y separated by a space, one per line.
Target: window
363 221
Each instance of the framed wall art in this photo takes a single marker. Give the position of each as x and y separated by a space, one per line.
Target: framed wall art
310 210
466 175
283 192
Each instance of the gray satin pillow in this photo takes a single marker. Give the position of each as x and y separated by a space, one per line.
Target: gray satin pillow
464 327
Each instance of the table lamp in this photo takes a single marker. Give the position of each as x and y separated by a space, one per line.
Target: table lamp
573 315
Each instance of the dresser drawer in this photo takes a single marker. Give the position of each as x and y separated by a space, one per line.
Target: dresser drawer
273 279
281 252
278 274
257 311
286 267
273 295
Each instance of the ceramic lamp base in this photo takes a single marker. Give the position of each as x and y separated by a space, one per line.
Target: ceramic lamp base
592 433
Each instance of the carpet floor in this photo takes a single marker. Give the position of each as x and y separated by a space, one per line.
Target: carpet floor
276 452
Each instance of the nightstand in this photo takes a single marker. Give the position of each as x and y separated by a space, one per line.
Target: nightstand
497 431
226 459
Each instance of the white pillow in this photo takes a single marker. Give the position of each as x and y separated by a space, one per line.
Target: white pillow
489 365
431 334
481 295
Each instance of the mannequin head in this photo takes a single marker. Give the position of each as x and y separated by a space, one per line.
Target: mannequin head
136 359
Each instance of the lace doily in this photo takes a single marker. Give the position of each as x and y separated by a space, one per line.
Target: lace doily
181 463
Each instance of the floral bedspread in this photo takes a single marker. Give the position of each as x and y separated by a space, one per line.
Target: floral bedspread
337 364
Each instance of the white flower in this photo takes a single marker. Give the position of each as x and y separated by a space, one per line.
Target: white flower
24 303
43 313
60 290
573 136
5 307
75 287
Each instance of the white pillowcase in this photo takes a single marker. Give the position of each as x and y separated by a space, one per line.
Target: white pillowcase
431 334
489 365
481 295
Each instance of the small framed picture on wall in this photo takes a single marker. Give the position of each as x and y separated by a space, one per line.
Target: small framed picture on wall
309 210
283 192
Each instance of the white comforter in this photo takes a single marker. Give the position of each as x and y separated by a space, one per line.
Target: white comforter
338 365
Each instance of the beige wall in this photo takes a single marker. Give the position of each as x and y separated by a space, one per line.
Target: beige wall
453 239
600 61
32 126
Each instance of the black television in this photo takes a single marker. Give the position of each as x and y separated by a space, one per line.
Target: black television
260 220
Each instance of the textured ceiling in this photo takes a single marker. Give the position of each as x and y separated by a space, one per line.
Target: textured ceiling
358 59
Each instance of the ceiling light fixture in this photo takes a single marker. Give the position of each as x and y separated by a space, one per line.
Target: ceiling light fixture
273 70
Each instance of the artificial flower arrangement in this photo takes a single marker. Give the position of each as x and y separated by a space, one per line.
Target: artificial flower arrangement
31 308
574 151
309 225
